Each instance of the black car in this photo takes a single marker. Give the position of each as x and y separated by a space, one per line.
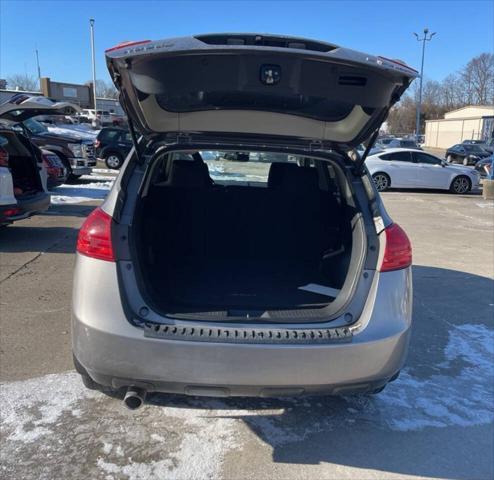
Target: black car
467 154
113 144
482 165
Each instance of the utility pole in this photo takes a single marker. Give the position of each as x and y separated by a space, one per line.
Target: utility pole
91 23
425 38
39 70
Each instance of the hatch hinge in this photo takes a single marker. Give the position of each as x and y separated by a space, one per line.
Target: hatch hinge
315 145
183 138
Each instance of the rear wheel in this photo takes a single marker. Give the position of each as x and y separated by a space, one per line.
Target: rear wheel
382 181
460 184
113 160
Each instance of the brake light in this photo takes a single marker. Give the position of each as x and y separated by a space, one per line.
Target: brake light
10 212
94 238
4 158
126 44
398 252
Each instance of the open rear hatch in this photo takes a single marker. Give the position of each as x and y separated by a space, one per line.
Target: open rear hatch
256 85
290 245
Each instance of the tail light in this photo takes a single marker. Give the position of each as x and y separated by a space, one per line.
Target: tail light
10 212
4 158
398 251
94 238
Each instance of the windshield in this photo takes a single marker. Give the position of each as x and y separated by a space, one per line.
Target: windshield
34 126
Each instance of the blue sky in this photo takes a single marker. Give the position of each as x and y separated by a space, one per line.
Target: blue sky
60 29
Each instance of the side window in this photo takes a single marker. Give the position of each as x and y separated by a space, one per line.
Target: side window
427 159
127 137
109 135
398 157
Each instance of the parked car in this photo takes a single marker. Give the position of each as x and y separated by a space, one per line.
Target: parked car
397 143
482 166
102 117
407 168
112 145
57 173
297 286
23 177
75 152
118 120
467 154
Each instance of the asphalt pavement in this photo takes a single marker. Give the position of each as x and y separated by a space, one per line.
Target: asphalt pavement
435 421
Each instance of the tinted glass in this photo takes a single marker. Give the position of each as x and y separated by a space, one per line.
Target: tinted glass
109 135
408 144
473 148
398 156
427 159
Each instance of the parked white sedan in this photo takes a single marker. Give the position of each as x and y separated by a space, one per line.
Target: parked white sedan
410 168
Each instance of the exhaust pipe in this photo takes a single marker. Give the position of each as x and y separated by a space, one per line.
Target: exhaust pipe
134 398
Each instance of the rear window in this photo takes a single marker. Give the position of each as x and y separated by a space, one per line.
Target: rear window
240 168
109 135
408 144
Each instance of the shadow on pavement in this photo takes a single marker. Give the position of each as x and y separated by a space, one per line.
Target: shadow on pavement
422 423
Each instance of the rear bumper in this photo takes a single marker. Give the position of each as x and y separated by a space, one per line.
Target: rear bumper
24 208
115 353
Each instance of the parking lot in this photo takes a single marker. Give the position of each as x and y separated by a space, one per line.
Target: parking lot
435 421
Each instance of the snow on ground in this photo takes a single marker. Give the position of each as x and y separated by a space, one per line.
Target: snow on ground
83 192
54 428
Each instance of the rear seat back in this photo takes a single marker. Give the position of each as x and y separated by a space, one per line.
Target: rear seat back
201 221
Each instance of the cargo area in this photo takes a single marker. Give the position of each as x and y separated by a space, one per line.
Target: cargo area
242 234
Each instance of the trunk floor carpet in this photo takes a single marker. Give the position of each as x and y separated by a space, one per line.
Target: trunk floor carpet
255 284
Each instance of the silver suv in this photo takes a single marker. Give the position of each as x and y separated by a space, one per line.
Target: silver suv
276 272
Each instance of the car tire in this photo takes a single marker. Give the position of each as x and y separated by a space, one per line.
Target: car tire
460 185
113 160
382 181
449 159
465 162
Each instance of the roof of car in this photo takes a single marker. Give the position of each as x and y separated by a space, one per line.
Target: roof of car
394 150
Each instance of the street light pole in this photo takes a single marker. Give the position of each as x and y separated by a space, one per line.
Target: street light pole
39 69
425 38
91 23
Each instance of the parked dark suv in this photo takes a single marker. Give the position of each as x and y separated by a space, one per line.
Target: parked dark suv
467 154
76 153
113 144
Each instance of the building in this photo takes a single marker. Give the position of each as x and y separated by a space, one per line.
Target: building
475 122
81 95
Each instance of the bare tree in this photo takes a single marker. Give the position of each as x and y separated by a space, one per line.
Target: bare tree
23 81
479 75
105 89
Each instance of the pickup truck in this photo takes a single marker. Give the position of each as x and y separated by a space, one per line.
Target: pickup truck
76 153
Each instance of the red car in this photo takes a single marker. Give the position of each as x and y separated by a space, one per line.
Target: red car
57 173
